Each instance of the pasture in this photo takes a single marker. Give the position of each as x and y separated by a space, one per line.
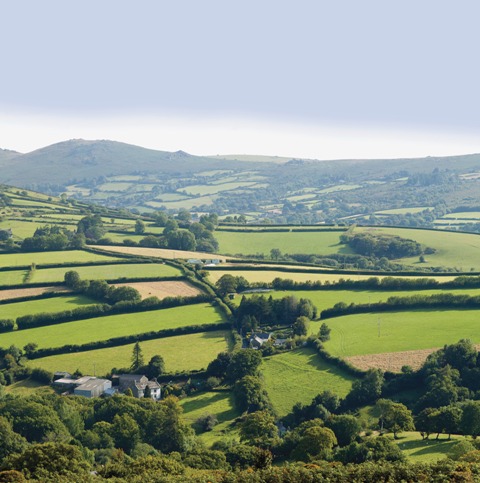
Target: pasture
125 270
419 450
54 304
181 353
317 243
41 258
378 333
218 403
298 376
453 250
103 328
23 229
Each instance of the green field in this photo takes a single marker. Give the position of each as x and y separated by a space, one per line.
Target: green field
318 243
103 328
425 451
400 331
453 250
127 270
68 256
23 229
219 404
464 215
324 299
205 189
181 353
300 375
404 211
187 204
269 275
14 277
54 304
115 186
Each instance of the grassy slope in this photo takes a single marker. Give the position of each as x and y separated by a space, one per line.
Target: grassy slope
54 304
102 328
419 451
300 375
181 353
400 331
218 403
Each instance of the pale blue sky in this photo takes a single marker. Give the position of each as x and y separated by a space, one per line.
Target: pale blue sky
376 76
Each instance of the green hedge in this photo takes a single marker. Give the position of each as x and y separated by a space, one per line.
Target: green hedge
6 325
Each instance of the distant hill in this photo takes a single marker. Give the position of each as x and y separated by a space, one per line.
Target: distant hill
80 159
7 155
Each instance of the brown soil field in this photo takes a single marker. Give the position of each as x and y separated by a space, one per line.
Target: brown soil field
393 361
160 252
28 292
163 289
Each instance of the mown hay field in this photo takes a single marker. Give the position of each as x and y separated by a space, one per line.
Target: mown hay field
266 276
378 333
181 353
163 289
103 328
298 376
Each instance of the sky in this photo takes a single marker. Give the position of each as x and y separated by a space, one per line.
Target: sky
317 79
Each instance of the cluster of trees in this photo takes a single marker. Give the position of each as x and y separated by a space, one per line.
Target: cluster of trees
389 246
258 310
101 290
53 237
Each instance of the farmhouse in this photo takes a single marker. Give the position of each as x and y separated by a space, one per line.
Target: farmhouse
138 384
257 340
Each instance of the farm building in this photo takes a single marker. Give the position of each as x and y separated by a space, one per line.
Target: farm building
138 384
92 387
257 340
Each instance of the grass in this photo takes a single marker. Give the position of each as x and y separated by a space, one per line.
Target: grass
213 189
219 404
300 375
404 211
268 275
318 243
27 387
464 215
324 299
103 328
340 187
425 451
453 250
188 203
181 353
54 304
39 258
115 186
48 275
12 278
400 331
23 229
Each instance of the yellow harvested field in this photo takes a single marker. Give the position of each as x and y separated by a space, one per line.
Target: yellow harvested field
159 252
393 361
29 292
267 276
163 289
